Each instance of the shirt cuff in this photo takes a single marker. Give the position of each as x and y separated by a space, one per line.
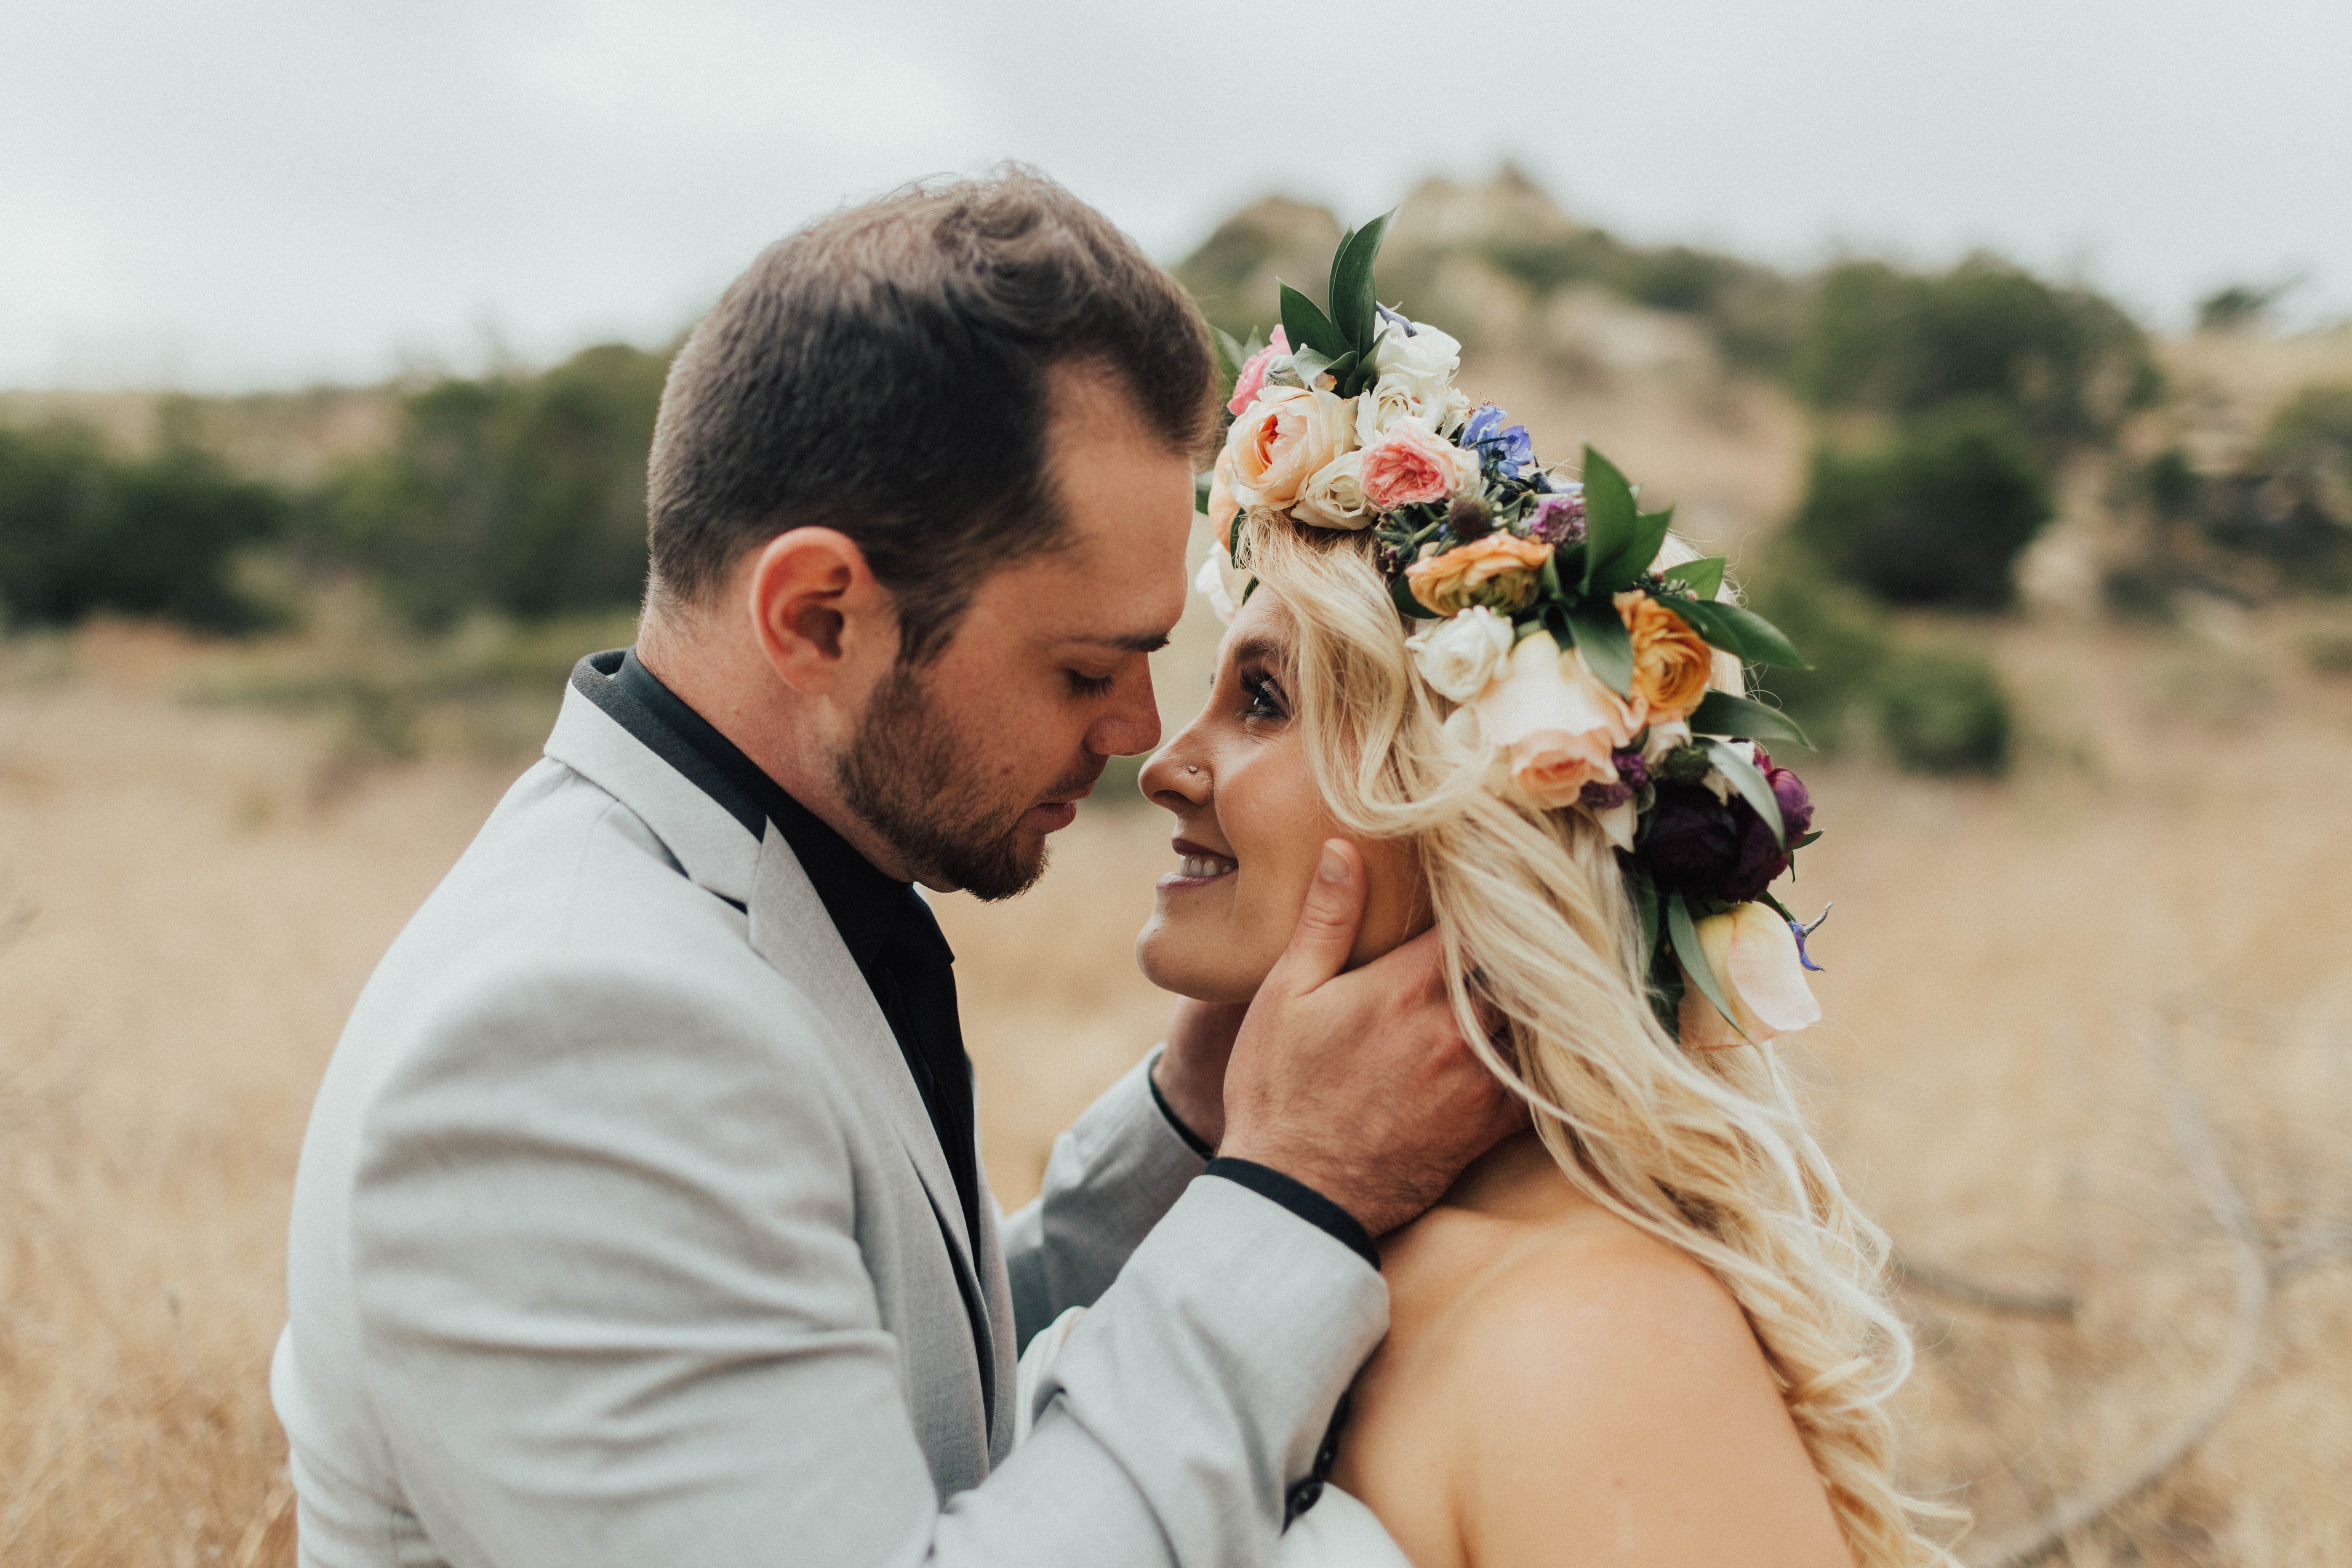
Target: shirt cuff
1192 1140
1303 1201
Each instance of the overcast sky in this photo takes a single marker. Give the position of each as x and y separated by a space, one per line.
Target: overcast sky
220 193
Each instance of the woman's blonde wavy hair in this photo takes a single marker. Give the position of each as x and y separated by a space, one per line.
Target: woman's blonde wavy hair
1704 1150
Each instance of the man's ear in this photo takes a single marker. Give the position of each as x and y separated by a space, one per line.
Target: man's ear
817 609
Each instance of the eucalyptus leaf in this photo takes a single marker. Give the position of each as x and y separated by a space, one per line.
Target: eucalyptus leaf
1309 328
1609 513
1601 638
1753 786
1685 936
1703 578
1309 365
1721 713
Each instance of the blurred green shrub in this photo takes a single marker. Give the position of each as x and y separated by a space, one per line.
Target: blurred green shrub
84 529
1935 515
1936 709
2066 362
2327 649
1944 710
522 494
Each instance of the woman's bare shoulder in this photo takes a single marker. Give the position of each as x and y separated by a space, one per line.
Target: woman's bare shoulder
1606 1394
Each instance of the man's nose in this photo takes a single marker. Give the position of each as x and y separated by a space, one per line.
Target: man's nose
1132 724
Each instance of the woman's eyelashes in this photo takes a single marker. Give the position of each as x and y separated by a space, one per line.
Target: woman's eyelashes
1264 694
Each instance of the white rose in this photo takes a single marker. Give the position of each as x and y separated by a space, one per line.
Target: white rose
1389 403
1221 583
1461 655
1425 358
1333 496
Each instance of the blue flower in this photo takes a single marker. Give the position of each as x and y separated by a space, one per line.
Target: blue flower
1505 448
1802 932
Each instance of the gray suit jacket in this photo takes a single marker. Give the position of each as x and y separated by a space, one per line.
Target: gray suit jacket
621 1236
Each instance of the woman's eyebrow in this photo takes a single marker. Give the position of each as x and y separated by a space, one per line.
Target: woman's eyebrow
1266 650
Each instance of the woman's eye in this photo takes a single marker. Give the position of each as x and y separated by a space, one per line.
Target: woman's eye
1084 685
1265 698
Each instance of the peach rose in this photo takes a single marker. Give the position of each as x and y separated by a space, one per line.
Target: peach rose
1672 663
1754 956
1287 436
1557 721
1499 571
1222 507
1411 464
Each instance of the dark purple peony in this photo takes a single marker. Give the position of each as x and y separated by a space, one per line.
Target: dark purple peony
1723 849
1693 842
1761 857
1599 797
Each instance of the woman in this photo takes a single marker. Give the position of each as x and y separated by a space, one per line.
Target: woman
1646 1331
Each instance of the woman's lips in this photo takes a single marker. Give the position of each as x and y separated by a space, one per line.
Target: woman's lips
1200 868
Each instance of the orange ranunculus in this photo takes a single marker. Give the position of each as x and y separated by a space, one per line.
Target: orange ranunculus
1499 571
1672 662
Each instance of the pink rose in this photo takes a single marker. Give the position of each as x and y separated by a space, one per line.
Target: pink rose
1408 465
1253 374
1559 722
1553 766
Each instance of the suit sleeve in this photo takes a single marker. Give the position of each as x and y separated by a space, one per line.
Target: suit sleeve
1111 1177
613 1311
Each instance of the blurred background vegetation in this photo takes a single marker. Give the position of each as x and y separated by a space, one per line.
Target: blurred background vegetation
449 539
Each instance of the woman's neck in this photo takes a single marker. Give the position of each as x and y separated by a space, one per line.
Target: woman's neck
1518 1179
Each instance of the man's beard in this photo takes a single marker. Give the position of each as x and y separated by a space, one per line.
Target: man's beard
910 777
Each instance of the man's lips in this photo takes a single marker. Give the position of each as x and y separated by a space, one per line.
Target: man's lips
1202 866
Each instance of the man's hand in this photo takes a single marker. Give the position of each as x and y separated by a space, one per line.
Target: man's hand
1360 1085
1190 1071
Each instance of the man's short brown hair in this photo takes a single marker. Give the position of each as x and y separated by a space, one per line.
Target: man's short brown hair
883 372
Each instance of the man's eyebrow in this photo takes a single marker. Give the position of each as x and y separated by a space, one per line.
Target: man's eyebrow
1128 642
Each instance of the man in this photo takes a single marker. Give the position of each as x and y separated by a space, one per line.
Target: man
641 1214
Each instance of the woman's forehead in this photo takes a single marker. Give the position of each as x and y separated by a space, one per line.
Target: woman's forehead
1263 624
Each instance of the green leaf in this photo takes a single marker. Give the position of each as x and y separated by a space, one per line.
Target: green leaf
1308 328
1309 365
1407 605
1624 569
1547 580
1703 578
1809 838
1721 713
1759 639
1752 786
1601 638
1345 371
1645 889
1687 948
1352 306
1230 357
1253 348
1610 516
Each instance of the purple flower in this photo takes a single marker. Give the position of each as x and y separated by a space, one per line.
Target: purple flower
1800 930
1558 520
1632 769
1504 447
1761 857
1693 842
1599 797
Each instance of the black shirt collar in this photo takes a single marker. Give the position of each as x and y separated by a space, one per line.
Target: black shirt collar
867 908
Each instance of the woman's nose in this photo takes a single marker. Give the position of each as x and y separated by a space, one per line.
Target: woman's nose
1170 780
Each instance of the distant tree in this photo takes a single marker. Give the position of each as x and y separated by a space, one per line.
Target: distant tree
524 494
2065 363
83 530
2239 306
1938 515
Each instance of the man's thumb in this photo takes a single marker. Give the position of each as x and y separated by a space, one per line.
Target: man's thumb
1327 925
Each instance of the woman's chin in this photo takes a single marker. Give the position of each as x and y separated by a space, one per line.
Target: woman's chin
1185 964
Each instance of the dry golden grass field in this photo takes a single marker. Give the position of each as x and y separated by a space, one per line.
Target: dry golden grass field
2088 1056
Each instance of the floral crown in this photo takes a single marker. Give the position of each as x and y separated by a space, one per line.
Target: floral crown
1541 611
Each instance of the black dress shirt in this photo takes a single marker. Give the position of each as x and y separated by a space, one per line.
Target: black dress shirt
891 936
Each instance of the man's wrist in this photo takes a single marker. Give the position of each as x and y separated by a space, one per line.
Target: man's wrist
1303 1201
1176 1120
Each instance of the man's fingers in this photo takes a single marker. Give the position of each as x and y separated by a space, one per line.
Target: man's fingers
1325 932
